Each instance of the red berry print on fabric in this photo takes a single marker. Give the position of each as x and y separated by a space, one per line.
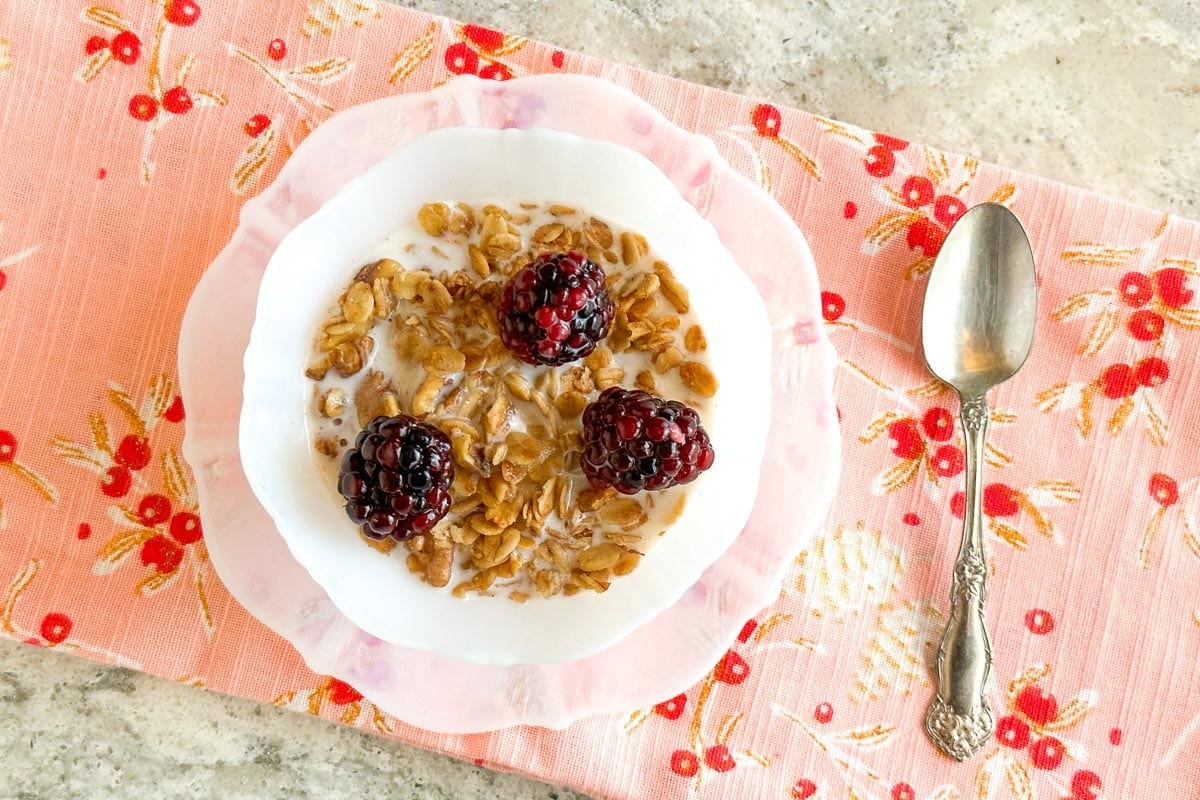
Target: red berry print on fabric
1037 705
1012 732
161 553
1151 301
487 39
185 528
177 100
1046 753
1039 621
495 72
55 628
747 631
672 709
116 481
804 789
732 669
557 59
719 759
1146 326
134 452
685 763
1164 489
902 791
143 107
911 519
1135 289
101 174
342 693
891 142
767 120
277 50
823 713
256 125
84 532
920 190
126 47
947 209
850 210
174 412
184 13
1114 737
158 89
1168 514
1085 785
926 237
880 161
154 509
1130 390
916 191
938 424
461 59
833 306
152 500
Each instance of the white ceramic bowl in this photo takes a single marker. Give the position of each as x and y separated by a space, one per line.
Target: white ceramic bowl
312 266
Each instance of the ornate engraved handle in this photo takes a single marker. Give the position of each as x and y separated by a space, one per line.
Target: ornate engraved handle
959 720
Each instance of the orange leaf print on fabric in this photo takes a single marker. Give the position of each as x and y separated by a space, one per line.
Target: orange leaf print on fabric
767 122
412 56
52 629
301 86
480 51
323 17
158 520
1004 507
1127 390
927 445
1033 742
1151 304
335 699
1178 510
6 58
921 195
844 750
703 755
11 465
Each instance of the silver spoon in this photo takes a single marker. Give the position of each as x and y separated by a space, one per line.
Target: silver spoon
976 331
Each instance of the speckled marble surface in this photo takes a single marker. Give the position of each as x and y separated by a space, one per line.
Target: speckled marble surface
1103 94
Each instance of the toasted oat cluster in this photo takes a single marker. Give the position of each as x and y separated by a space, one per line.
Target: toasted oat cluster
420 332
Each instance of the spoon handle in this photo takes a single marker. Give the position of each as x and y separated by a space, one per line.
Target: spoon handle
959 720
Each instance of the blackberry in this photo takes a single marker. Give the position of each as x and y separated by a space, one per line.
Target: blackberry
396 479
555 310
633 440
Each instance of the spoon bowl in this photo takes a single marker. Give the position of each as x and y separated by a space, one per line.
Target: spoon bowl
981 301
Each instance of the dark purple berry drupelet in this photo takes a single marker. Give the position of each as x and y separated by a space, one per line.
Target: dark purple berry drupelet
633 440
396 479
556 309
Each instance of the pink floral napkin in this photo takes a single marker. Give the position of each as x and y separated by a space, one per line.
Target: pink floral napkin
135 130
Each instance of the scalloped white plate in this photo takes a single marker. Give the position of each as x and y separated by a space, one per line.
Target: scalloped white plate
657 659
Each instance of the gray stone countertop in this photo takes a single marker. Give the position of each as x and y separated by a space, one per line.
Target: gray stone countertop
1103 94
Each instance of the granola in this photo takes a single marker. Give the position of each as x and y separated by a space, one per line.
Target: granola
415 332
